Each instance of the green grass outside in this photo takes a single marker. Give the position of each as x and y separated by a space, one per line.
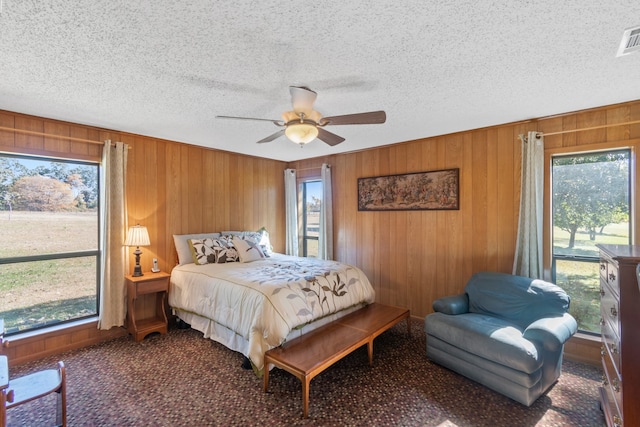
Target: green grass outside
34 294
581 280
48 313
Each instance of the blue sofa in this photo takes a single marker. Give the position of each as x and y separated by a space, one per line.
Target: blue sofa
506 332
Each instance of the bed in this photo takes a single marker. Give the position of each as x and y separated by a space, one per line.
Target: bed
252 304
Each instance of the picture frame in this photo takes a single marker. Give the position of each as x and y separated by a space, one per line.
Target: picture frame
431 190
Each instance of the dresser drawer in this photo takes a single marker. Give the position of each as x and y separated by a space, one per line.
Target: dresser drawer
612 387
613 279
610 308
611 343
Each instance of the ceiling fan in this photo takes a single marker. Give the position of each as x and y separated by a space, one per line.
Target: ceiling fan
303 124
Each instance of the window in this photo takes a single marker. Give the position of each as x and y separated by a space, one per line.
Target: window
49 251
311 204
590 202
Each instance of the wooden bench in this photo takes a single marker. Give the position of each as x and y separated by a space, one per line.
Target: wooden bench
312 353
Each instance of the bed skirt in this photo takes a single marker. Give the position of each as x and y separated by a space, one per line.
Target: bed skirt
235 342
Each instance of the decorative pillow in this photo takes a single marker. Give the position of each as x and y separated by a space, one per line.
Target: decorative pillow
202 251
261 237
213 251
183 248
247 250
225 251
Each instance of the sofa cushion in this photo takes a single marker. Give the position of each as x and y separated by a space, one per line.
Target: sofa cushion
485 336
518 299
456 304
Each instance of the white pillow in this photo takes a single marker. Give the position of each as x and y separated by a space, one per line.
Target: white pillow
181 241
247 250
265 242
261 237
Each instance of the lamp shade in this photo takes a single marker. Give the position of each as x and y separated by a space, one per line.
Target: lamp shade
137 236
301 133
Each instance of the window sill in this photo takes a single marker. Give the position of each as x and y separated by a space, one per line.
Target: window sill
51 329
588 337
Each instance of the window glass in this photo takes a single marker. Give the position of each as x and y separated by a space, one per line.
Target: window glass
590 202
49 251
312 202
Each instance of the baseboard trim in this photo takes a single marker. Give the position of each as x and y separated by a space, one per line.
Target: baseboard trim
36 345
583 348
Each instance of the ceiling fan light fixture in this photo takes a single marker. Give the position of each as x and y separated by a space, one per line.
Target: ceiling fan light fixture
301 133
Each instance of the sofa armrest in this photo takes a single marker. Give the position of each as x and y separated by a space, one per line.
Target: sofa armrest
456 304
552 332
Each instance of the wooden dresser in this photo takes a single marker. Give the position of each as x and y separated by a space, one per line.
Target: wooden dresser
620 311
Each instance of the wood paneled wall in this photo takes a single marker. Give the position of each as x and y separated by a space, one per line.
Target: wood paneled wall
414 257
175 188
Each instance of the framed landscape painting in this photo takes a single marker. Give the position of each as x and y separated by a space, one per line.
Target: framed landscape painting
434 190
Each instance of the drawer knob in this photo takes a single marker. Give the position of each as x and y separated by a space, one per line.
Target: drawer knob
613 311
603 266
601 292
601 321
616 385
612 277
614 349
617 421
602 351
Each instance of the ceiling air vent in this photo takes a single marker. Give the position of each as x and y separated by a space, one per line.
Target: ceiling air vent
630 41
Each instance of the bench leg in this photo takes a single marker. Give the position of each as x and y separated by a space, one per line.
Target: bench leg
266 377
408 325
305 397
370 351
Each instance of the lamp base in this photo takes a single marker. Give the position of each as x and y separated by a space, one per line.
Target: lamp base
137 270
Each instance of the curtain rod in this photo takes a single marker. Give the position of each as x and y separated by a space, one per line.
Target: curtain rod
31 132
589 128
308 169
51 135
315 167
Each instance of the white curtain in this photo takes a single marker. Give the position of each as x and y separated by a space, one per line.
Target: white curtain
528 257
291 211
113 306
325 240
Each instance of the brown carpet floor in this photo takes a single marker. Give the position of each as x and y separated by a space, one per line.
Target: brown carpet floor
182 379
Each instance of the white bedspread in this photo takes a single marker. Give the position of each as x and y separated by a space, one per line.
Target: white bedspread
264 300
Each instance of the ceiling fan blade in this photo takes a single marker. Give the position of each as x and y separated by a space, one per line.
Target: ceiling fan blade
302 98
272 137
328 137
370 118
276 122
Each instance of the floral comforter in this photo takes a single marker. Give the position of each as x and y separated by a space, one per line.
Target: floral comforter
264 300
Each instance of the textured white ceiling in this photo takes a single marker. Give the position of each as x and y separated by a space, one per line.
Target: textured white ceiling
167 68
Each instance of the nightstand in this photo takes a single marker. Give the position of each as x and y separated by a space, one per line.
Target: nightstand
149 283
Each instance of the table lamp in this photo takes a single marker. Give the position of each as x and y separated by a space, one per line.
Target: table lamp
137 236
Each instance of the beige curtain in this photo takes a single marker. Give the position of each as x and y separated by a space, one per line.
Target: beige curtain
113 305
528 257
291 211
325 240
